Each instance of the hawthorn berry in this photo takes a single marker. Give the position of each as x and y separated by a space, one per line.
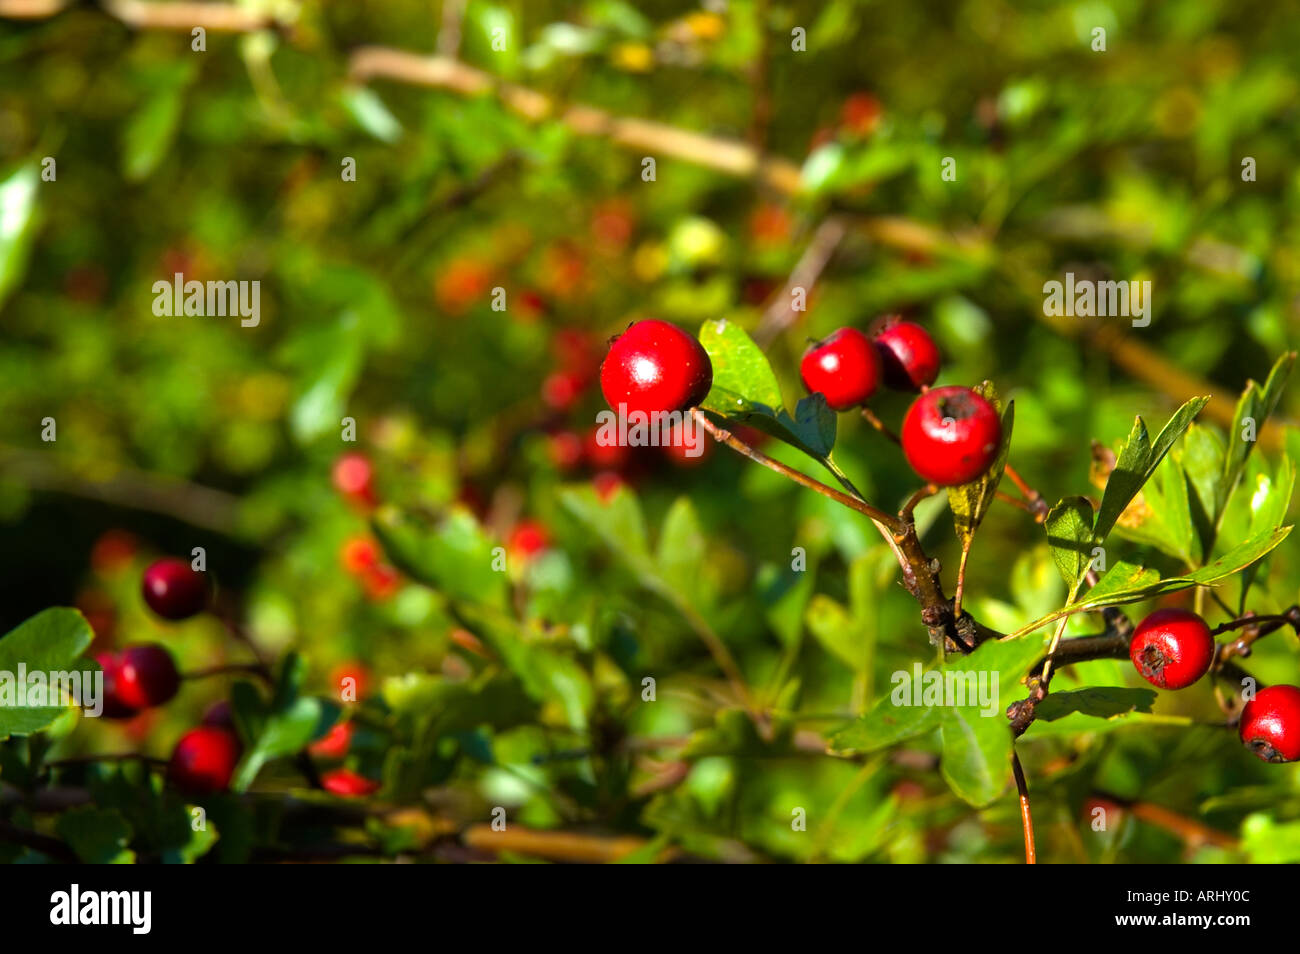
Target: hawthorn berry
1172 648
908 356
204 760
527 539
348 784
1270 724
173 590
146 676
359 554
951 435
655 367
844 368
353 477
114 706
335 743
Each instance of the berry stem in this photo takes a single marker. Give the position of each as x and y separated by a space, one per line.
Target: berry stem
256 669
853 503
871 418
1026 820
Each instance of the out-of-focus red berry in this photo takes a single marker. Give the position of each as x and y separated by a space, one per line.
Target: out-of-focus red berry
770 224
565 449
612 224
381 582
460 284
354 477
861 114
527 539
561 390
113 552
359 554
348 784
335 743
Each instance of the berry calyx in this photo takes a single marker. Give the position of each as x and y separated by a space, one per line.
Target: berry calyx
114 706
844 368
204 760
909 357
146 677
951 435
173 590
1270 724
1172 648
655 367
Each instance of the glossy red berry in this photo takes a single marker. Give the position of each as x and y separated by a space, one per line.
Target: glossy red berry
951 435
844 368
173 590
1270 724
908 356
348 783
1172 648
204 760
147 677
114 706
655 367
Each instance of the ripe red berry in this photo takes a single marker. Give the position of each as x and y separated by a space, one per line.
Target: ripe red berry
1172 648
335 743
1270 724
655 367
146 677
908 356
951 435
844 367
527 539
348 784
173 590
114 706
354 478
204 760
359 554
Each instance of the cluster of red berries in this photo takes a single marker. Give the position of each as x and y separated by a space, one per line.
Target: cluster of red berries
1173 648
950 436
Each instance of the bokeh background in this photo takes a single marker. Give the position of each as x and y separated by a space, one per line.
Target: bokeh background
376 298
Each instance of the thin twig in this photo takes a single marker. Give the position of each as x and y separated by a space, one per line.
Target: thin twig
780 312
1026 821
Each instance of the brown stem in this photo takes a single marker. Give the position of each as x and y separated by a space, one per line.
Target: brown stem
736 444
874 420
779 313
1026 820
256 669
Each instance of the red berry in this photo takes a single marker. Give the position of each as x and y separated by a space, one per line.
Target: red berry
204 760
1270 724
561 390
845 368
951 435
348 784
354 478
359 554
381 582
335 743
908 356
565 449
114 706
147 677
528 538
655 367
173 590
1172 648
112 552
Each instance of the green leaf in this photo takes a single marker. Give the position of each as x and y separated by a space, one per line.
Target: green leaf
1137 462
284 732
51 641
369 112
885 724
739 366
838 632
1253 409
1203 455
681 550
1132 584
99 836
152 127
18 221
454 556
976 759
1102 702
970 502
1070 535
